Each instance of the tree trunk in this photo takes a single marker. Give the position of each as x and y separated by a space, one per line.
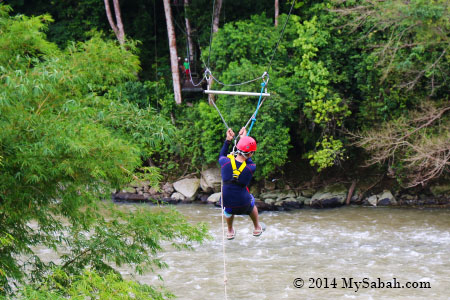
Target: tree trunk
350 192
173 52
217 9
189 32
216 19
116 26
277 11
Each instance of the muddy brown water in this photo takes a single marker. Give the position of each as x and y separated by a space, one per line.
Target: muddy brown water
331 250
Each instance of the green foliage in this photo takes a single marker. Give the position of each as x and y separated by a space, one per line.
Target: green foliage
240 51
329 152
67 142
22 38
90 285
129 238
402 67
403 58
300 80
323 104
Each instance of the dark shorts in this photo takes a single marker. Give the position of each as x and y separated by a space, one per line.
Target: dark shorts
240 210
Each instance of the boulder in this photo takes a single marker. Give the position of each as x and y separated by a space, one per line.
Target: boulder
292 203
269 201
168 188
356 196
263 206
178 196
307 201
383 199
440 190
331 196
286 195
135 184
279 195
409 197
372 200
386 198
188 187
129 189
210 180
269 185
270 195
303 200
255 190
140 184
153 191
308 193
214 198
203 198
129 197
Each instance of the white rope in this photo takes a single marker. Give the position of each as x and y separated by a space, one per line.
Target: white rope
235 84
220 114
223 244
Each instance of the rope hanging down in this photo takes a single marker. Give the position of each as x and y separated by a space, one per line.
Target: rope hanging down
252 119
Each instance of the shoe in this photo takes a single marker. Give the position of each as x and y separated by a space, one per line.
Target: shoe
230 236
258 232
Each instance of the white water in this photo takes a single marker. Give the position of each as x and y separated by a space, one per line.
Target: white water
357 242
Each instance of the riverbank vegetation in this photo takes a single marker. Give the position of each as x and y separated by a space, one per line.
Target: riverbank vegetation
354 84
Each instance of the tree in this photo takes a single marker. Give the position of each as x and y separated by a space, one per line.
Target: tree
403 78
416 148
83 143
215 28
216 16
116 26
189 31
173 52
277 10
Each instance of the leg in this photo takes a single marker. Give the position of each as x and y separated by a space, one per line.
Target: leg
231 232
254 217
230 224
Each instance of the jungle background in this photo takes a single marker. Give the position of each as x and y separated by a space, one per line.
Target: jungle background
359 91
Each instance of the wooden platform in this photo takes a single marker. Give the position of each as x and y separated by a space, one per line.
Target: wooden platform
188 87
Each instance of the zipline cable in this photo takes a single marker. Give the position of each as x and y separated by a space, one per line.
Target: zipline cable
234 84
185 33
252 119
271 59
281 36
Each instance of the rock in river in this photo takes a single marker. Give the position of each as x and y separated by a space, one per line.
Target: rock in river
188 187
330 196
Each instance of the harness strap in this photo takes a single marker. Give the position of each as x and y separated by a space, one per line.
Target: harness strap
236 171
234 182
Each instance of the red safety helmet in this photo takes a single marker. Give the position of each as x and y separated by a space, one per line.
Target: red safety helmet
246 144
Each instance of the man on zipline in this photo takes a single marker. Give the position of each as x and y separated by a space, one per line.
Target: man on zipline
237 173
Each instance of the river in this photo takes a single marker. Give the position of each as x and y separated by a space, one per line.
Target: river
330 249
